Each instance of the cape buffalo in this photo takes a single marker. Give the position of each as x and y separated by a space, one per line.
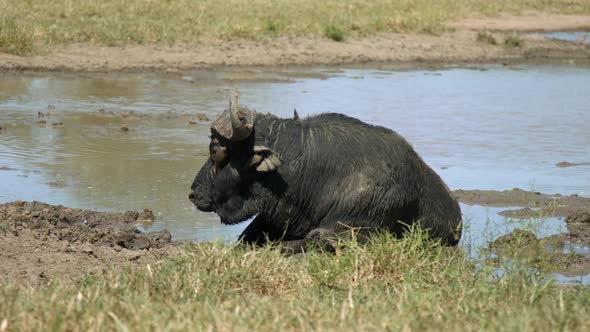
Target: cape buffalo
307 179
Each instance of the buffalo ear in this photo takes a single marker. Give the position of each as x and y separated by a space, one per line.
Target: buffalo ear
264 159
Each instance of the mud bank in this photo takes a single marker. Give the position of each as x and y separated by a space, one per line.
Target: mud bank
41 242
535 204
398 50
564 254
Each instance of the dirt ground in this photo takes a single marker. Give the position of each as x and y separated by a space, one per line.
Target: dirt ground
41 242
403 50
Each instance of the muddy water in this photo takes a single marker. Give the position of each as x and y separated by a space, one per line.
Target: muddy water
491 128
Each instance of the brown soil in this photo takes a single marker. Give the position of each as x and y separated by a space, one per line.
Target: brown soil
400 50
545 205
41 242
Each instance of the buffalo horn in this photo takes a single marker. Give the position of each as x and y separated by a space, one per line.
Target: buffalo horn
240 130
236 122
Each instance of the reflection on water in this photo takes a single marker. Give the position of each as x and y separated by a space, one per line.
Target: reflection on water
578 37
576 281
496 128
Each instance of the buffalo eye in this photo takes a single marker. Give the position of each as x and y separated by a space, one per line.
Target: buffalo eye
218 155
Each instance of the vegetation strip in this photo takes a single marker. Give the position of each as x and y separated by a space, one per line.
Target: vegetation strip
27 27
389 284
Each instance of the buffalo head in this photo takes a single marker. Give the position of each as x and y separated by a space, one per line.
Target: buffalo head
236 182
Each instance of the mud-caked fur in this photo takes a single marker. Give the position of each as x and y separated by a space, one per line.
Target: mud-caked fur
336 172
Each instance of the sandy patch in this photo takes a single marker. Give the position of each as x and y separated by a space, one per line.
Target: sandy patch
529 22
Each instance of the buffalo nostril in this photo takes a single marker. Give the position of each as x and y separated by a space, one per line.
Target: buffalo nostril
191 196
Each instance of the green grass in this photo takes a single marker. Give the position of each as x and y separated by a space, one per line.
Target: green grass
389 284
271 26
46 23
334 33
